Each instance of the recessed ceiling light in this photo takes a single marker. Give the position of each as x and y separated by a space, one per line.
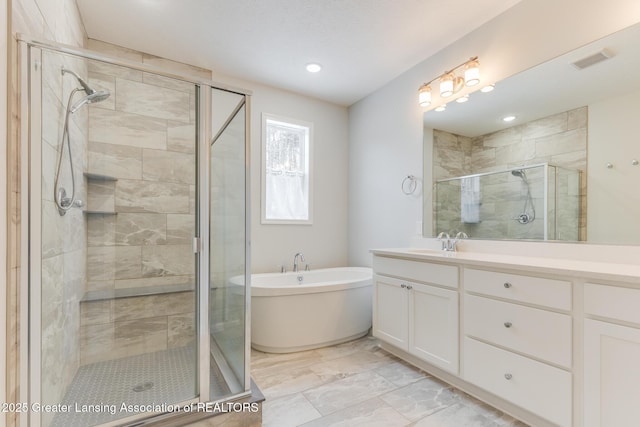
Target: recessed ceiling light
508 118
488 88
314 67
441 108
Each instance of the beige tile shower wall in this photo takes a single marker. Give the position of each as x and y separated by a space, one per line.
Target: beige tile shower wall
560 140
145 140
58 21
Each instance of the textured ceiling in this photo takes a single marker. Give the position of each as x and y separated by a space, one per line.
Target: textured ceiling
362 44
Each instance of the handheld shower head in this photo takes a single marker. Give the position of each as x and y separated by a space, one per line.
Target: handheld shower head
95 96
92 94
84 84
518 172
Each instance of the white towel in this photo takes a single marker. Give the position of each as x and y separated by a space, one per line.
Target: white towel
470 200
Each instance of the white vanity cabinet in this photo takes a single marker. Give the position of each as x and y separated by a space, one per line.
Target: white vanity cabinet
418 318
518 340
611 356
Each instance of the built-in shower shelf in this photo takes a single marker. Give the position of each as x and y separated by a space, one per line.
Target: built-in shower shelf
100 212
98 177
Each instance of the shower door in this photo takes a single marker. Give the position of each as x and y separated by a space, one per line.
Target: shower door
228 255
137 221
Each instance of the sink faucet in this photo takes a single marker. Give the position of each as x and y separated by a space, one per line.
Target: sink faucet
295 261
450 244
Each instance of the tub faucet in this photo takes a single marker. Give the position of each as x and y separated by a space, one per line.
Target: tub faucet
295 261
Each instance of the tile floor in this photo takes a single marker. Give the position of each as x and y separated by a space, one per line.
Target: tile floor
358 383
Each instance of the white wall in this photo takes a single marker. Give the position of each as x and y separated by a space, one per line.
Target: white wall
324 243
386 127
613 138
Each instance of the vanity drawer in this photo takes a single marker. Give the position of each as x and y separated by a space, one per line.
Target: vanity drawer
532 331
535 386
528 289
437 274
612 301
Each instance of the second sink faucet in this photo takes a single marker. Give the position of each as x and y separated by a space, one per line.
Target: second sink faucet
449 244
295 261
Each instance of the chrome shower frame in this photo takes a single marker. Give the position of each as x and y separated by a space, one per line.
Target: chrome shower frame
30 60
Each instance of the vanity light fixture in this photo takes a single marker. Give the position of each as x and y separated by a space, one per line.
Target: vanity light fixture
450 83
313 67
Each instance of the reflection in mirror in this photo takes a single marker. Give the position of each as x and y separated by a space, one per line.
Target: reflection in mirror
565 117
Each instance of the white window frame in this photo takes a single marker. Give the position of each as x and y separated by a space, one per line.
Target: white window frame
309 166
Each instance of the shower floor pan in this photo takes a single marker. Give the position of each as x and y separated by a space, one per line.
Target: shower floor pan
164 377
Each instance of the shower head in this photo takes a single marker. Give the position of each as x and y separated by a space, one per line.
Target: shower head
95 96
84 84
519 173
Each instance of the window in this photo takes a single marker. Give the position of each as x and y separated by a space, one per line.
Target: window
286 170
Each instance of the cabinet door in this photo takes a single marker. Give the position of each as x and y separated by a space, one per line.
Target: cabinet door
390 318
433 325
611 374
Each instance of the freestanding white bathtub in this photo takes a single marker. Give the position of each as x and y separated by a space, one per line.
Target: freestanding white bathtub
309 309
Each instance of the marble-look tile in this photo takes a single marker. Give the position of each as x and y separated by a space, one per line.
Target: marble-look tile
180 228
128 262
502 138
372 413
145 196
352 364
500 418
49 165
168 166
52 285
155 281
140 336
154 305
546 126
284 362
101 263
167 260
101 230
348 391
152 101
483 160
99 285
122 128
421 398
177 67
519 152
52 230
577 118
118 161
96 312
101 196
289 382
288 411
566 142
140 229
575 160
461 415
114 50
96 342
168 83
181 330
181 138
52 117
400 373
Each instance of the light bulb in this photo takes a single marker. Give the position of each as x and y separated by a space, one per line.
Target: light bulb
462 99
441 108
313 67
446 85
424 96
472 73
488 88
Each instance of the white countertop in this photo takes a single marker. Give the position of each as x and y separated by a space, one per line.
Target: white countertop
589 270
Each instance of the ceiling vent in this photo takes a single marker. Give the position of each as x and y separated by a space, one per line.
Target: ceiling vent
590 60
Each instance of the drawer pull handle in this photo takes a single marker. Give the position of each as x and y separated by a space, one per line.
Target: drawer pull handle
409 287
508 376
507 285
403 286
508 324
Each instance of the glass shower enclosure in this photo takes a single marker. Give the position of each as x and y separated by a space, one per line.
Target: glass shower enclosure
538 202
136 214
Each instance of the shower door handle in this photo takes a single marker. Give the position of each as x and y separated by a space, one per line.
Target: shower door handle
195 245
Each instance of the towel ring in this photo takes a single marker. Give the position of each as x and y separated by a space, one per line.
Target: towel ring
409 188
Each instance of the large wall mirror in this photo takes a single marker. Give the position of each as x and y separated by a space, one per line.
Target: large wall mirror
565 168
